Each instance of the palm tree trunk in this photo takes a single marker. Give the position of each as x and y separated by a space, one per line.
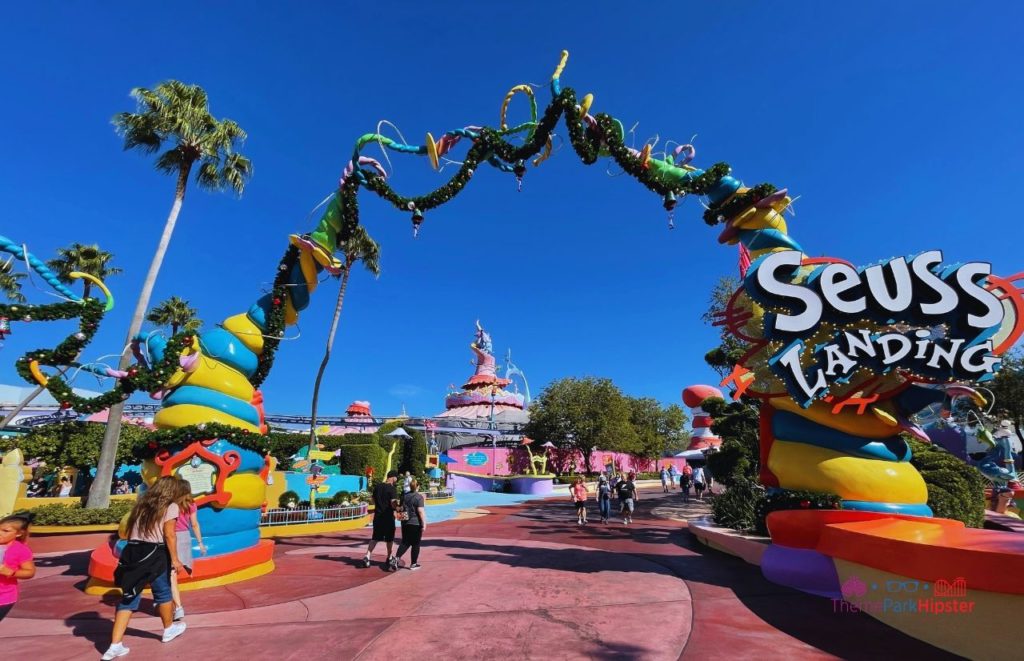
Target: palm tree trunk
99 493
327 355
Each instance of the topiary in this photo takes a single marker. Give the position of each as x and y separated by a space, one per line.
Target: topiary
956 490
738 506
75 515
287 497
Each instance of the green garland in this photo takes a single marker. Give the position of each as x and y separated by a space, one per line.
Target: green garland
738 203
182 436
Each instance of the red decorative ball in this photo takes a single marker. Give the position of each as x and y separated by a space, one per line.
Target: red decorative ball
151 445
277 301
805 504
65 405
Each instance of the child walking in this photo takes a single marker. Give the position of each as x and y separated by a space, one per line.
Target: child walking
149 558
15 559
185 526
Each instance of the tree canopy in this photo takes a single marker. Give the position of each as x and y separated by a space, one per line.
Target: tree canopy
730 349
76 444
176 313
10 286
1008 389
586 413
85 259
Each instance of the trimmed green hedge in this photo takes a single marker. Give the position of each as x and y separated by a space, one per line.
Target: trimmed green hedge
956 490
76 515
355 458
738 506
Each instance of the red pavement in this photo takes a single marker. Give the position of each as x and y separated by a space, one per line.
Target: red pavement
523 581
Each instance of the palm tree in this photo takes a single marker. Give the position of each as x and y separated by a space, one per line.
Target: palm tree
86 259
178 116
359 248
9 285
176 313
76 257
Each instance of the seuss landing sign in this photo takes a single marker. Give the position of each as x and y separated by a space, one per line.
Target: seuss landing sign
830 324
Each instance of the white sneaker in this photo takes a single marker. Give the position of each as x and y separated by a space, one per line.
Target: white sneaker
173 631
414 566
114 651
179 613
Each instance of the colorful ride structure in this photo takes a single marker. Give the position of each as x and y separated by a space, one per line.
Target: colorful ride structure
840 357
483 396
702 439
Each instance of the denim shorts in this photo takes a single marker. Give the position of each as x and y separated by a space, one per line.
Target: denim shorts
161 587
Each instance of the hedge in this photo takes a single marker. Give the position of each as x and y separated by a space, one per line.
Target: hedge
76 515
355 458
956 490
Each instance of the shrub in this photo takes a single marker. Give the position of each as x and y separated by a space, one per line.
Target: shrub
287 497
793 500
76 515
340 497
355 458
956 490
739 505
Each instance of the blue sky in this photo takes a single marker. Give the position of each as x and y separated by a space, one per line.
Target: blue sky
897 124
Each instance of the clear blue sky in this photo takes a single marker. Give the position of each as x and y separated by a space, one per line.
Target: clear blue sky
897 124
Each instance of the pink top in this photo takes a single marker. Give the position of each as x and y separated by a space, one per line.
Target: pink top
579 492
12 556
185 519
156 535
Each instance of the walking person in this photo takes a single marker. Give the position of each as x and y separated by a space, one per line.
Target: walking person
414 525
148 559
685 478
627 499
604 499
664 479
185 526
16 563
578 493
698 482
673 475
383 520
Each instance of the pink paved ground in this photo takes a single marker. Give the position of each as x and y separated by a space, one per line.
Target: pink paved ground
522 582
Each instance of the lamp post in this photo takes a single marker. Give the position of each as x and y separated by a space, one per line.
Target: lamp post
494 441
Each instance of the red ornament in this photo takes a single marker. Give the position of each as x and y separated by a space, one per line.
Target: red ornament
65 405
277 301
805 504
151 445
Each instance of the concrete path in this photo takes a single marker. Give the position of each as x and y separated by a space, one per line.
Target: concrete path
523 581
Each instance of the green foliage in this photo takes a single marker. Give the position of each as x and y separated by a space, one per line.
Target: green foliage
657 427
739 505
287 497
1008 390
730 349
738 426
581 414
332 443
793 500
84 259
10 286
176 313
76 515
413 456
340 497
282 445
956 490
355 458
76 444
179 114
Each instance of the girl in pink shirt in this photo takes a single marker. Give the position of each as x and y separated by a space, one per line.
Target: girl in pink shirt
578 491
15 559
183 536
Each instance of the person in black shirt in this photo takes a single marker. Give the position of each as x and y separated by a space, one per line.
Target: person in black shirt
383 520
627 498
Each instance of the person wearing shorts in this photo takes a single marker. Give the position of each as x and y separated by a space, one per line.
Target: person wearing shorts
578 491
698 482
627 498
383 520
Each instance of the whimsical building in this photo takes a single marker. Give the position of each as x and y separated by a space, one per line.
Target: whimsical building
358 420
702 439
484 397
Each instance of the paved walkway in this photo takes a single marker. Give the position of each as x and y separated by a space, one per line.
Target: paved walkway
522 582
